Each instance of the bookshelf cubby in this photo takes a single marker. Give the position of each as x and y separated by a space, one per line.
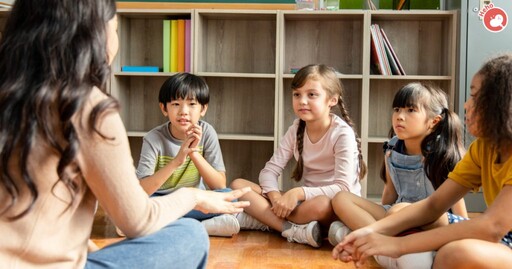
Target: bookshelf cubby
246 56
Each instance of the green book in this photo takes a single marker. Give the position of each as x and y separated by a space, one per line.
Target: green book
167 46
174 45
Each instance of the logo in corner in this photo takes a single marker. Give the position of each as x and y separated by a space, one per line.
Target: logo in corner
494 18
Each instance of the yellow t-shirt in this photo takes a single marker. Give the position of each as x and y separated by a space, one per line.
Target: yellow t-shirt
478 169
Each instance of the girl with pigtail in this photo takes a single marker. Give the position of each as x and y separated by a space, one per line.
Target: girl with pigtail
484 241
426 146
329 160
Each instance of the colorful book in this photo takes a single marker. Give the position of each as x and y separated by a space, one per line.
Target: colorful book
394 56
181 45
378 57
174 45
382 50
167 46
137 68
188 45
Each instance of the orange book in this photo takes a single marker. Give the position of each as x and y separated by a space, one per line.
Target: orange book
181 45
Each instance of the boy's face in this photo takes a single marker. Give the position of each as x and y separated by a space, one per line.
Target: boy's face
183 114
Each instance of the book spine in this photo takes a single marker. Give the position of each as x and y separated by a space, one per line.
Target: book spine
188 45
382 50
395 57
379 61
167 46
181 45
174 45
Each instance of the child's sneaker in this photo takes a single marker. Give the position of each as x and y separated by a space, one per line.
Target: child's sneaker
337 231
222 225
247 222
421 260
305 234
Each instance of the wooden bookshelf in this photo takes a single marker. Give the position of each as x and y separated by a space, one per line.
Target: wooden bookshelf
246 55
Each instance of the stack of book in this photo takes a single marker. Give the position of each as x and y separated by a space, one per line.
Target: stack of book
176 45
383 56
176 49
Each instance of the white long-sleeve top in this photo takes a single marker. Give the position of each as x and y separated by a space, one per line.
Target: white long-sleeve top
330 165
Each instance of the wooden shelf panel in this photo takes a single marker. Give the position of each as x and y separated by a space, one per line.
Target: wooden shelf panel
332 39
242 42
382 93
235 75
245 137
245 159
141 38
374 184
421 40
242 105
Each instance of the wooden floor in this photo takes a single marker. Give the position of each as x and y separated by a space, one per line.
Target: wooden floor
247 250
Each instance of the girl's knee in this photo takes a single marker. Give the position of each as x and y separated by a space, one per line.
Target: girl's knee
456 254
340 200
238 183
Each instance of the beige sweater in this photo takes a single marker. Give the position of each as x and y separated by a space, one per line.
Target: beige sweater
54 234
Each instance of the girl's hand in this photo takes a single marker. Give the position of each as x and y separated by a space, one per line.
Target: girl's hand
220 202
195 132
364 243
283 206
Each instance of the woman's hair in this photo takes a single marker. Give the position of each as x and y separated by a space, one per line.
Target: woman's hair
53 52
184 85
443 147
332 85
493 103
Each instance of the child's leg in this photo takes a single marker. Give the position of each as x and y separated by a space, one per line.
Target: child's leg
260 209
473 253
356 212
318 208
181 244
260 206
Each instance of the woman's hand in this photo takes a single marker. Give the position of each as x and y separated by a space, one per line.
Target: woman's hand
220 202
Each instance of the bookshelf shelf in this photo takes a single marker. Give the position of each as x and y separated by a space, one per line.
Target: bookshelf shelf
246 57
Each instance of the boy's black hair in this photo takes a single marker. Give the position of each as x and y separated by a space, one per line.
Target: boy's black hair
184 86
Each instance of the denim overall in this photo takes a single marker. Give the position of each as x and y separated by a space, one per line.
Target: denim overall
407 174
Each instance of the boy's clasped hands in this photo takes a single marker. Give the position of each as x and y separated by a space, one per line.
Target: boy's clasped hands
194 134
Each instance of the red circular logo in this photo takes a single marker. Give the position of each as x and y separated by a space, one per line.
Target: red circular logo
495 19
